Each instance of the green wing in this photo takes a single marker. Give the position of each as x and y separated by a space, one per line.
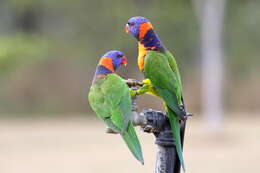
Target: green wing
162 70
173 64
110 99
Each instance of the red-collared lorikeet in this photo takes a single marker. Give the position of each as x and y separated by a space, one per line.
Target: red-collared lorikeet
162 77
109 97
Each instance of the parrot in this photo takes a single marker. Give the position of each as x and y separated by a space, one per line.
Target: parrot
110 99
161 73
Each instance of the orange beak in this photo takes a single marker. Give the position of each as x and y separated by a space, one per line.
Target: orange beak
127 28
124 61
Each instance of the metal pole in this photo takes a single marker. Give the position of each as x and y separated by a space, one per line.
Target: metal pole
166 157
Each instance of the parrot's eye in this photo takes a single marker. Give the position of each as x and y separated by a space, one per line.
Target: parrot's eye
119 56
131 24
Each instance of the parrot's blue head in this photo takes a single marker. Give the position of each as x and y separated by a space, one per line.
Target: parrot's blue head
113 59
138 26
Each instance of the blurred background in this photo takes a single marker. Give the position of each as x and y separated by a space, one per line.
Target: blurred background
48 53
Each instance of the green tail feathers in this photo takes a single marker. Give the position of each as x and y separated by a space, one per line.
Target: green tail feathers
133 143
175 126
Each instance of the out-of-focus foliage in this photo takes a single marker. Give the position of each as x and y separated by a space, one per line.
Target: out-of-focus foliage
242 36
49 50
18 50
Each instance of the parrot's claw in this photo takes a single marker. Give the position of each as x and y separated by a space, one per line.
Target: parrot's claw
110 131
132 92
147 82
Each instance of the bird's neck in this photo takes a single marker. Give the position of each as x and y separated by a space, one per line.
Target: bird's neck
150 41
101 72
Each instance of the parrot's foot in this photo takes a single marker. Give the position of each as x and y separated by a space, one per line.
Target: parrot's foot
146 87
147 82
110 131
132 92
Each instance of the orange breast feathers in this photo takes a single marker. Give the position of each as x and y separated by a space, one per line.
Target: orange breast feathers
107 62
141 54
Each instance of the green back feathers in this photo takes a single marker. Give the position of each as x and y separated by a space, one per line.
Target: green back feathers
109 97
163 72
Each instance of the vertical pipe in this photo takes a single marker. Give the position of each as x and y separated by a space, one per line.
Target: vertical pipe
166 157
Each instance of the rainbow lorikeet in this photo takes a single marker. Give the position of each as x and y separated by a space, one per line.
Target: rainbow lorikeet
109 97
162 77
